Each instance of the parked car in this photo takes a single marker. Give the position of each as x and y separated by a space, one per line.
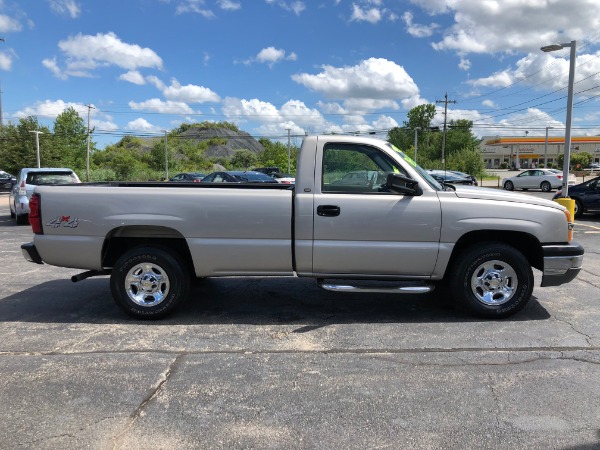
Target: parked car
283 178
238 176
267 170
586 196
447 176
188 177
465 175
7 180
593 166
28 179
544 179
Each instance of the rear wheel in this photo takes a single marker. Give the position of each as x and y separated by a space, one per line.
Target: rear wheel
545 186
149 283
21 219
508 185
492 280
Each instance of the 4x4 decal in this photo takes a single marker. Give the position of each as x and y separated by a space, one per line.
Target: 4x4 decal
64 221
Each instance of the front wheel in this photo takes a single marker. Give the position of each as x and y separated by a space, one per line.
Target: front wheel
492 280
509 186
545 186
149 283
578 209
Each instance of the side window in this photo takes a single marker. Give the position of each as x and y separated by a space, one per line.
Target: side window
354 168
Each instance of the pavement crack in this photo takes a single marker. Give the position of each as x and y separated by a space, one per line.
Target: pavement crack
157 388
496 399
587 337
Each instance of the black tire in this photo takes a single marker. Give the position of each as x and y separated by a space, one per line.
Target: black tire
149 283
545 186
509 186
491 280
578 209
22 219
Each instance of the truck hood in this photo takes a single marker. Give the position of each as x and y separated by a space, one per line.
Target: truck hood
502 195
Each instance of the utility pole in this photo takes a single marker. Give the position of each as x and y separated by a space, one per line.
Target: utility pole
289 151
87 155
166 158
445 102
416 129
1 122
37 146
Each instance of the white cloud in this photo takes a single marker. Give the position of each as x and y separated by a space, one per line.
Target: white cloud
133 76
141 124
552 76
384 123
512 25
195 6
8 24
272 55
5 61
229 5
416 30
253 109
489 104
372 15
50 109
293 114
164 107
374 78
85 53
189 93
52 66
464 64
297 7
156 82
365 105
69 8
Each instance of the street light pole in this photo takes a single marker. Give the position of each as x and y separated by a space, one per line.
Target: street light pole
567 156
37 146
416 129
546 148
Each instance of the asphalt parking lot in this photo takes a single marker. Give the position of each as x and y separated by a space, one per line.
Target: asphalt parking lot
278 363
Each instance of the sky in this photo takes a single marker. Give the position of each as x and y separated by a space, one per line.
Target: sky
140 67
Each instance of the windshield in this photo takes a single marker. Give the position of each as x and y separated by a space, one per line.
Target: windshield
430 180
56 177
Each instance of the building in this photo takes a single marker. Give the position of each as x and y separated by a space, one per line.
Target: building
525 152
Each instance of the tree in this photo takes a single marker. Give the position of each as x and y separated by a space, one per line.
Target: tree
243 159
18 147
275 154
419 119
70 139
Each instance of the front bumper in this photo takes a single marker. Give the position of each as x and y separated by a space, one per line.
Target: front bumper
30 253
562 263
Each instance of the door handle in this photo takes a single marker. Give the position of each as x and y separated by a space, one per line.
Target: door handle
328 210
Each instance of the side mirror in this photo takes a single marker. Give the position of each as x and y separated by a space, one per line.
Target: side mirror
403 185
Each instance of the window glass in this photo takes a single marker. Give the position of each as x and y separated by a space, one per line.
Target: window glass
356 169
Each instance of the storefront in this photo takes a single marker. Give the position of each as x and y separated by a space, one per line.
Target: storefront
527 152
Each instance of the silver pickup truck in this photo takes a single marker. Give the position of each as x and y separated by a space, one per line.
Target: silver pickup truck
390 227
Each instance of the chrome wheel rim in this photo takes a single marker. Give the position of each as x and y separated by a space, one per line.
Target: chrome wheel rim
494 282
147 284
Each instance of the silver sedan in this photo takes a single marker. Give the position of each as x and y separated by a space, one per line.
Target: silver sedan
544 179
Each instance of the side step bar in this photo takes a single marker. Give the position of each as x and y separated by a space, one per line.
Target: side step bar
409 287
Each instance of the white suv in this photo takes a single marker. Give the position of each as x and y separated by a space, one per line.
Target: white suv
28 179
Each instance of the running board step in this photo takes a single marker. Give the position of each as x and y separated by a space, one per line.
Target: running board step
363 286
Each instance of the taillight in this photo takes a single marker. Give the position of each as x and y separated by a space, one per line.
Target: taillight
22 190
35 214
559 177
570 224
